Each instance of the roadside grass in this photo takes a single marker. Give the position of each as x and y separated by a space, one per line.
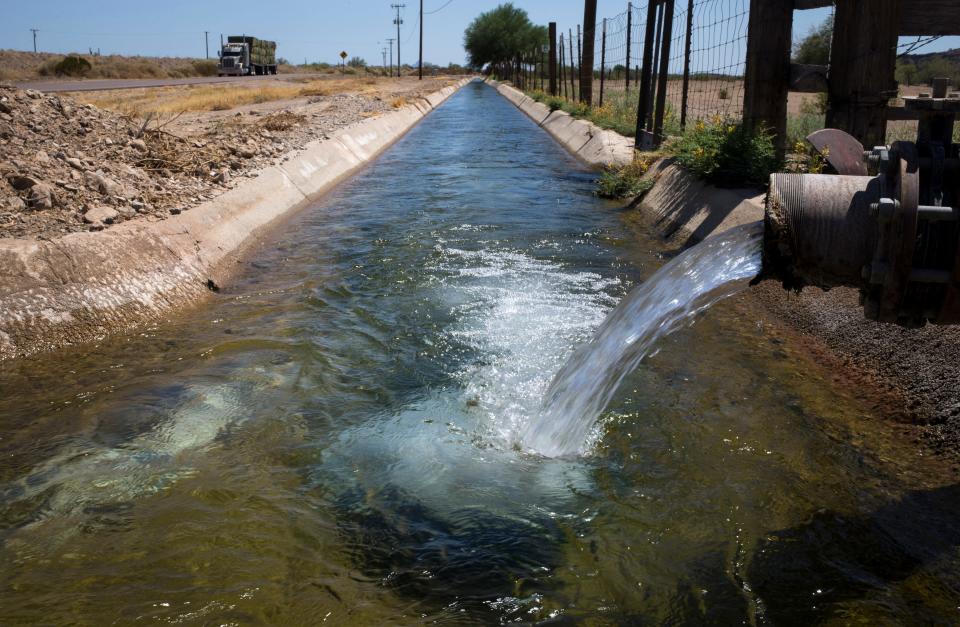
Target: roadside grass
171 100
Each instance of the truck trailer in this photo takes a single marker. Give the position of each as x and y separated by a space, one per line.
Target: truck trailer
245 55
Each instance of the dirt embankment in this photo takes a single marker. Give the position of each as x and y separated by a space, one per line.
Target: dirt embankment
67 166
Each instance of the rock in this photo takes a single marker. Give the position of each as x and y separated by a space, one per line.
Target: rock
13 203
175 210
247 151
21 182
103 184
136 205
33 93
100 215
75 163
126 212
41 196
138 144
222 177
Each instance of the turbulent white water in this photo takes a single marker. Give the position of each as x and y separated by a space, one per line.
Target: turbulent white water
717 268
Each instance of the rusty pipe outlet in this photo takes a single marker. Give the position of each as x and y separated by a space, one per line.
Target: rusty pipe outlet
819 229
894 236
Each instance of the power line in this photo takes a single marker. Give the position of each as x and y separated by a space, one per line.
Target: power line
445 5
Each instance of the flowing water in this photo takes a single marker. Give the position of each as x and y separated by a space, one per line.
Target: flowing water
717 268
338 436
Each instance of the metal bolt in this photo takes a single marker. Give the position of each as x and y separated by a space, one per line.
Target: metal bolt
885 209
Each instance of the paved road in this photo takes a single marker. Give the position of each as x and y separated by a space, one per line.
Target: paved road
135 83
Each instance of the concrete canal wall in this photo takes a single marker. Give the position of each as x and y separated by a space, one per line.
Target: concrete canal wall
85 286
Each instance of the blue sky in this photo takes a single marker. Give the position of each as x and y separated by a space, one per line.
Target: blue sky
316 30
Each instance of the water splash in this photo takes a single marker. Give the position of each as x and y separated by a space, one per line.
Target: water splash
717 268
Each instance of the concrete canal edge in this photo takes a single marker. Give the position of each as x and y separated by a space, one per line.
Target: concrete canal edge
680 204
85 286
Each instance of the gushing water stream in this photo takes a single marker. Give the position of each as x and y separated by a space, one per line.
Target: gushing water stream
717 268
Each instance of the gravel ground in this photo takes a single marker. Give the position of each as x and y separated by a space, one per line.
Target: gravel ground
912 375
68 167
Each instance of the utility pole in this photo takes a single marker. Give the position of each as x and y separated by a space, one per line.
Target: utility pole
398 22
390 41
383 51
206 40
421 41
34 30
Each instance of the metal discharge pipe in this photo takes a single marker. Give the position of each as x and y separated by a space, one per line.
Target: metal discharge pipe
894 235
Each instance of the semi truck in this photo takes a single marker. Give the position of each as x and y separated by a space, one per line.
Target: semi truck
245 55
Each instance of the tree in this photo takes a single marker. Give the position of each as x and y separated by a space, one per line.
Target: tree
357 62
501 35
906 73
937 67
814 49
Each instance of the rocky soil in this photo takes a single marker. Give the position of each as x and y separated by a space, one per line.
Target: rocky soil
68 167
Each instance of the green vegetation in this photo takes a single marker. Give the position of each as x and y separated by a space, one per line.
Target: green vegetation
814 49
618 113
499 36
626 181
724 152
72 66
921 70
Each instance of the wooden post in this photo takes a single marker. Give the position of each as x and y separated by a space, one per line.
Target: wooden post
553 58
667 27
563 80
586 60
603 57
767 75
862 62
686 66
573 85
646 75
629 33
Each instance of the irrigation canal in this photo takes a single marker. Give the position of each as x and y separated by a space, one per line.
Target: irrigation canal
333 438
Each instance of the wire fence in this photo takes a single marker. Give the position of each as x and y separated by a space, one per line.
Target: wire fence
693 51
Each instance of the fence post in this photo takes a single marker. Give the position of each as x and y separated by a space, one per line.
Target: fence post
686 66
767 75
603 57
646 77
573 85
586 61
667 26
656 57
553 58
563 79
862 62
629 34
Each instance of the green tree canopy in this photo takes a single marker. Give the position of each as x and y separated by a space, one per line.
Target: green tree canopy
501 35
814 49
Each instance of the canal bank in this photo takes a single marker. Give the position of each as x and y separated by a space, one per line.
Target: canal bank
86 286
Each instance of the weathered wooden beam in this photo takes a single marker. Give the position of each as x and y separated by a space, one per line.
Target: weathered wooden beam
810 79
899 114
862 62
930 17
811 4
767 74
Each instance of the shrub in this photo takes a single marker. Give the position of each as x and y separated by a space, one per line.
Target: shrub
625 181
72 65
815 106
723 94
724 152
204 68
